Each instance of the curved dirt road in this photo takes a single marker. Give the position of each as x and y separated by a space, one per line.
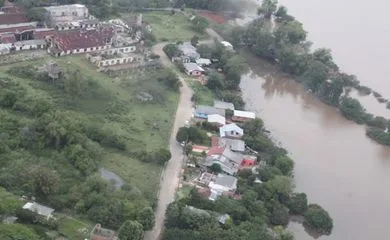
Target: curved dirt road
170 176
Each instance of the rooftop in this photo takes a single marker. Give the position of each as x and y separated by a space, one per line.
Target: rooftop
230 127
234 144
232 156
244 114
13 18
192 67
209 110
216 118
223 105
78 39
38 208
226 181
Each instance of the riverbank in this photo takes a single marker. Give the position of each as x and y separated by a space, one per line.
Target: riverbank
286 46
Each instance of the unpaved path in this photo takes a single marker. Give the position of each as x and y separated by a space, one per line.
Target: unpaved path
170 176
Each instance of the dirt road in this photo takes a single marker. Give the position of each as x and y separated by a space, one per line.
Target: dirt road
170 177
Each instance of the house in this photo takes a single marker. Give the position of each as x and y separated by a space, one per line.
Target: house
202 111
200 149
236 145
229 161
39 209
242 116
216 119
223 105
99 233
203 62
231 131
222 184
80 41
188 52
193 69
115 56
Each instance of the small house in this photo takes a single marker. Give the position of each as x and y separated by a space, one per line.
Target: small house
204 62
202 111
216 119
39 209
188 52
193 69
242 116
236 145
223 105
222 184
231 131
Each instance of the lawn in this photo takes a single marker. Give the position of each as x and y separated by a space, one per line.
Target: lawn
168 27
74 228
203 95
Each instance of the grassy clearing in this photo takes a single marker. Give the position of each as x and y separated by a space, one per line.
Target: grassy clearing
74 228
183 192
168 27
203 95
114 105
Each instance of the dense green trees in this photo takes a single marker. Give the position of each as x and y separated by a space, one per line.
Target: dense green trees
317 218
298 203
131 230
267 8
352 109
171 50
199 24
17 232
146 218
192 134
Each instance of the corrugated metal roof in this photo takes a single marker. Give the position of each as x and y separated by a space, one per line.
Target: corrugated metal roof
244 114
223 105
216 118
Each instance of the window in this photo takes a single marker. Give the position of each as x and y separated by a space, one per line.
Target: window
85 49
78 50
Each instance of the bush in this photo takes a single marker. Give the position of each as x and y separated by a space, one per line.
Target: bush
298 203
352 110
318 219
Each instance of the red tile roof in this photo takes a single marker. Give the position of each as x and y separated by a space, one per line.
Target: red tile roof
16 29
13 18
9 38
41 34
78 39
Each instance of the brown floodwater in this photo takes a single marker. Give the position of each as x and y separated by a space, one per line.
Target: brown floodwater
335 163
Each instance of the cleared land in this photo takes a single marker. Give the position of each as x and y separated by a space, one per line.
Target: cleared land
168 27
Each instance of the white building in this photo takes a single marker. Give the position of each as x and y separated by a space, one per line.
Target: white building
216 119
67 13
242 116
39 209
115 56
231 131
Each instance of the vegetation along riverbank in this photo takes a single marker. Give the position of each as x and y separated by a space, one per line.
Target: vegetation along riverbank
283 41
265 197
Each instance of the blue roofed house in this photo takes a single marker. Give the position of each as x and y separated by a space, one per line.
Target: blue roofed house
202 111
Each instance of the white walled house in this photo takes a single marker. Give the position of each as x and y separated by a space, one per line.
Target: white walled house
115 56
67 13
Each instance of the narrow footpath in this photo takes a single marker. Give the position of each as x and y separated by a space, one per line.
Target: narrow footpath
170 176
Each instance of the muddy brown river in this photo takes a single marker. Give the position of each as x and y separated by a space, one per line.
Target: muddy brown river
335 164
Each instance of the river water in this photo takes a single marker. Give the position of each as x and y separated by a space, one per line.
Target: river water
335 163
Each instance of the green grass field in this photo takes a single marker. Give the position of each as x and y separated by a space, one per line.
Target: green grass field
203 95
113 104
168 27
74 228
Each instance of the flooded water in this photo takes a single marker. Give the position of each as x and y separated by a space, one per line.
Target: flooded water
336 164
